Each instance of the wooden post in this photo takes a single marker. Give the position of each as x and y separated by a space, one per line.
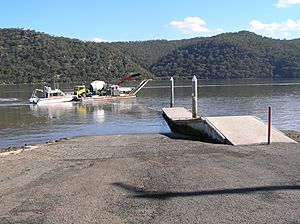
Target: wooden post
269 125
194 97
172 92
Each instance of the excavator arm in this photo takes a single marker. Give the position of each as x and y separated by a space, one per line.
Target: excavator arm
128 77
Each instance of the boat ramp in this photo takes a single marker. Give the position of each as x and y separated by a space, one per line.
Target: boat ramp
233 130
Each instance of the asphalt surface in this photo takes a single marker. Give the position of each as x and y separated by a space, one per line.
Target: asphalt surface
150 179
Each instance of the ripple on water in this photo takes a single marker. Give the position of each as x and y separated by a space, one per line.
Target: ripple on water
8 99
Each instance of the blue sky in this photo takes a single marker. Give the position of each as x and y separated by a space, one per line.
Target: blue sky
130 20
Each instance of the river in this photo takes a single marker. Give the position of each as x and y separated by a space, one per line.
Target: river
21 123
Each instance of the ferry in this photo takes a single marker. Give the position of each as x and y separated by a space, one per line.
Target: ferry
100 90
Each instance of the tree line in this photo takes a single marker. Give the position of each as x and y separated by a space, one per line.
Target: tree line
226 56
27 56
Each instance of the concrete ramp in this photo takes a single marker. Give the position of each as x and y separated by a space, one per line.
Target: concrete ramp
246 130
234 130
177 113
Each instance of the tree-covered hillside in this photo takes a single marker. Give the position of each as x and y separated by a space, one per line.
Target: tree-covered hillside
29 56
146 53
232 55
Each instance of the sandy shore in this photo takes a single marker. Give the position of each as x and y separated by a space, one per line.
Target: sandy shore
150 179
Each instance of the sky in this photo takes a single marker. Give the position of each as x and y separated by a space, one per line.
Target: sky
132 20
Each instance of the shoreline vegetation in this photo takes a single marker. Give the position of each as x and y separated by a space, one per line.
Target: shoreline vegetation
160 79
150 178
28 56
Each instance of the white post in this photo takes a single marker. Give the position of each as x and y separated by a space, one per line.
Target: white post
269 125
172 92
194 97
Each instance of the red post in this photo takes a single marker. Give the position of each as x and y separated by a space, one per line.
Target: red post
269 125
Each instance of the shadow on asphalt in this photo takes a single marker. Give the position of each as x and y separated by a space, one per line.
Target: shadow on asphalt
177 136
163 195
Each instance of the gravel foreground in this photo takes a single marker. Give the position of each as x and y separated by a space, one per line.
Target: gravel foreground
150 178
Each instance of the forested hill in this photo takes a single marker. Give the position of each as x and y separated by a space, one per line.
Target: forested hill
27 56
231 55
146 53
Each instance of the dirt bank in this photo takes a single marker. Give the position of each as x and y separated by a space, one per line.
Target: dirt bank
150 179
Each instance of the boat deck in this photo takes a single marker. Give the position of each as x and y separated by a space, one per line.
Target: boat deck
236 130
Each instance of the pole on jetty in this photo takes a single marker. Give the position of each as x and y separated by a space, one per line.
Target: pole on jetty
269 125
172 92
194 97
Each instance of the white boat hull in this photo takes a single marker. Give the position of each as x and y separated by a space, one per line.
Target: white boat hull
52 100
49 96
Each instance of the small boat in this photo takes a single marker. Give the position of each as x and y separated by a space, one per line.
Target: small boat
49 95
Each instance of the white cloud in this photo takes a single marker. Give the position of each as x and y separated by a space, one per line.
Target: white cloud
219 30
99 40
286 3
190 25
283 28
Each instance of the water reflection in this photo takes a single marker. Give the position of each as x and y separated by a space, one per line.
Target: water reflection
52 111
75 112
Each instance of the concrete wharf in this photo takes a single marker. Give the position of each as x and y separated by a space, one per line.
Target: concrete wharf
234 130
